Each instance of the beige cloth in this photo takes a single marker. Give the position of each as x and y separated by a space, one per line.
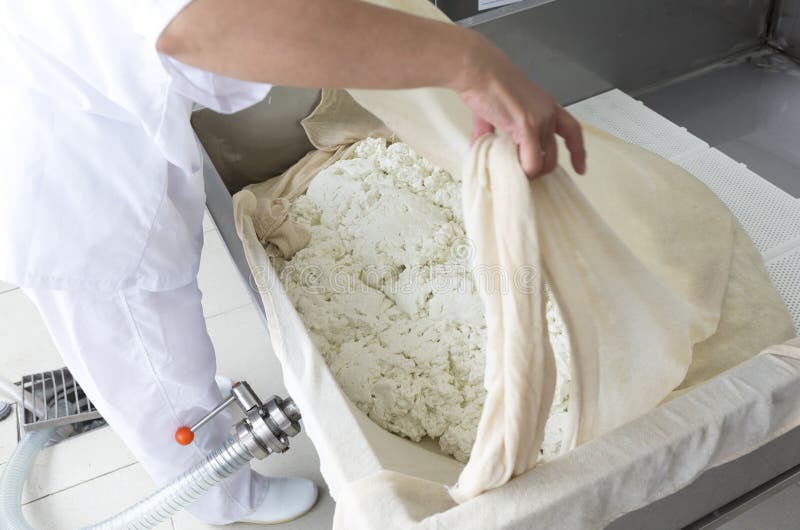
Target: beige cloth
636 297
726 272
500 219
642 272
631 333
645 460
371 477
631 345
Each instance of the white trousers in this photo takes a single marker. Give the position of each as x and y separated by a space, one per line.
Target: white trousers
147 363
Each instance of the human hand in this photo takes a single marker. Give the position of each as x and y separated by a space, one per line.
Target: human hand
501 97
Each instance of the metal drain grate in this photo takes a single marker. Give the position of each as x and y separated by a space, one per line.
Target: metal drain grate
58 400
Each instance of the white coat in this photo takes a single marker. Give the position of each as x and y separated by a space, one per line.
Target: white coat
100 186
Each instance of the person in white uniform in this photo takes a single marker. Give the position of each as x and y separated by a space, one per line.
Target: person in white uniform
101 192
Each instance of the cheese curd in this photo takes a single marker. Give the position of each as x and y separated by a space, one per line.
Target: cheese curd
386 292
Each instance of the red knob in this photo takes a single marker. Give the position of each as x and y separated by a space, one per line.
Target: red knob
184 436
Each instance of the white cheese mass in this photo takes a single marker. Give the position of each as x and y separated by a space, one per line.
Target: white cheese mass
386 291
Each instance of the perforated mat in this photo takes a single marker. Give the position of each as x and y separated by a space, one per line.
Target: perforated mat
630 120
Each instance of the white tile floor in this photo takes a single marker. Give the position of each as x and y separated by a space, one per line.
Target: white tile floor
92 476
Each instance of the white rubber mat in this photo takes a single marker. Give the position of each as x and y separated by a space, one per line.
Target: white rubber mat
770 215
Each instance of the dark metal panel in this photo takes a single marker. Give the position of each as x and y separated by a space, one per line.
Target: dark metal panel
467 13
220 206
748 109
786 27
578 48
259 142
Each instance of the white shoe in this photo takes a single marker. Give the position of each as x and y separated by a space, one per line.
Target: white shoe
287 499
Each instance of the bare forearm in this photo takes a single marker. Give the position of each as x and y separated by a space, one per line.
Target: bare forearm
330 43
353 44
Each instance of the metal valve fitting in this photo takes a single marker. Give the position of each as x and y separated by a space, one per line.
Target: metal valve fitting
266 427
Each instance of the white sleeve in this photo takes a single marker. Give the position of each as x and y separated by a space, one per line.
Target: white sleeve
215 91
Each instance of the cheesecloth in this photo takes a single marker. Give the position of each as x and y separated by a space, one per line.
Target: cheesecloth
658 284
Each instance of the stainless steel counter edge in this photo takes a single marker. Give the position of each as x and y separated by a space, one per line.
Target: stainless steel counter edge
220 206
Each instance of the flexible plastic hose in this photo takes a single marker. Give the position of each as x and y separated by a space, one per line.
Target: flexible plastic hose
182 491
13 393
147 513
13 479
10 390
